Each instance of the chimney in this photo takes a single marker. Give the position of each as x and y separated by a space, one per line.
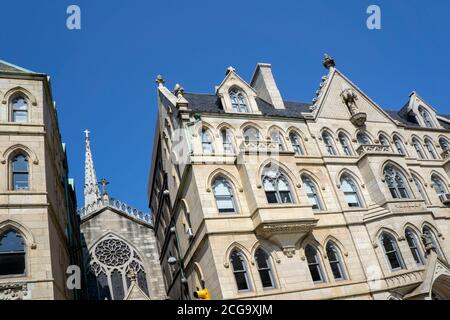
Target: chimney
264 84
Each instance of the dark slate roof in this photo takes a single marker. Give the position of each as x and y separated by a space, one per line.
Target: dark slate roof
210 103
10 68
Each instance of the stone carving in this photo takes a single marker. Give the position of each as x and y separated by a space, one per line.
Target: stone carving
328 61
428 243
289 251
13 291
349 97
373 148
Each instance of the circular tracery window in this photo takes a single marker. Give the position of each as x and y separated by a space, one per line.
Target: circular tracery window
113 252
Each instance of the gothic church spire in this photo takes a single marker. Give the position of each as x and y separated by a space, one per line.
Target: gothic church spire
91 190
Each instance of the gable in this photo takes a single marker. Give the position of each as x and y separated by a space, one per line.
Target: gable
333 106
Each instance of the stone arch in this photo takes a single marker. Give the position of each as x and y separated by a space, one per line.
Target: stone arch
405 172
310 239
376 237
19 148
19 90
24 231
293 179
337 242
366 132
218 172
441 176
409 225
353 175
269 247
253 124
199 274
277 127
385 134
436 231
240 247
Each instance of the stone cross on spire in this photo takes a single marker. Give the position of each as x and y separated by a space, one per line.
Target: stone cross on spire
91 190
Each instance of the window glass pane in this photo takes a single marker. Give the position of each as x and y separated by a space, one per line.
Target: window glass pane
20 116
12 254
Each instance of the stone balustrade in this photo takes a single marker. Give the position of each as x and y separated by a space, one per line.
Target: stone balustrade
406 278
262 146
373 148
117 205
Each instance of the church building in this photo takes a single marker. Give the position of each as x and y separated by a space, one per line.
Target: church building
257 197
120 252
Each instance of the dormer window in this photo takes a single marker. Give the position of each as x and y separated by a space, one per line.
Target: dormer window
426 117
239 101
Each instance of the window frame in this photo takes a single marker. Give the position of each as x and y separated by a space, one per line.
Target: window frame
328 141
396 251
231 197
268 269
245 271
414 247
356 192
317 264
339 261
14 109
297 143
239 100
280 195
14 172
309 182
395 189
206 132
23 253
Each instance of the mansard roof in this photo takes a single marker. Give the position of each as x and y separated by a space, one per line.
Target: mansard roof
210 103
7 67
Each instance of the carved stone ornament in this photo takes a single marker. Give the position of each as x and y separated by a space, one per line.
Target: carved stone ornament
349 97
289 251
13 291
359 119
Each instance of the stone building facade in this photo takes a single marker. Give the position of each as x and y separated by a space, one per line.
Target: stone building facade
255 197
120 254
39 235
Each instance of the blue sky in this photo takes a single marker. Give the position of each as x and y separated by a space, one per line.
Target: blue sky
103 75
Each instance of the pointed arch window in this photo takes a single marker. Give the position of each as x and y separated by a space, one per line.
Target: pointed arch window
391 251
438 185
276 186
312 193
445 145
239 101
314 264
329 143
426 230
426 116
223 193
430 147
111 261
399 145
207 141
297 143
227 141
12 253
363 138
20 172
277 138
396 183
345 143
335 260
264 265
419 149
351 192
240 270
19 109
421 189
384 140
414 246
252 135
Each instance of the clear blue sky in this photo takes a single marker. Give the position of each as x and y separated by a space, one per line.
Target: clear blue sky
103 76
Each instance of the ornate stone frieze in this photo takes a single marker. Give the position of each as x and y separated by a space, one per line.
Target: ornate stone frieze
13 291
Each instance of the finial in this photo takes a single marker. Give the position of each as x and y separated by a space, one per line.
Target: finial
160 81
178 90
328 62
230 69
87 132
104 183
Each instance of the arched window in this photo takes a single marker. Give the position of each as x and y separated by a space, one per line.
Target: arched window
20 172
227 140
238 100
276 186
396 183
419 149
399 145
421 189
12 254
111 261
314 264
19 109
384 140
240 271
223 192
445 145
414 245
438 185
335 259
426 230
426 117
351 192
296 142
430 148
264 265
207 141
329 143
392 251
345 143
277 138
251 135
312 193
363 138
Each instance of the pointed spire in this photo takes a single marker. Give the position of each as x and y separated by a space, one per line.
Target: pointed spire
91 190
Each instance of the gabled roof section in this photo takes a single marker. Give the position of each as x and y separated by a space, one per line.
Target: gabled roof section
231 73
6 67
